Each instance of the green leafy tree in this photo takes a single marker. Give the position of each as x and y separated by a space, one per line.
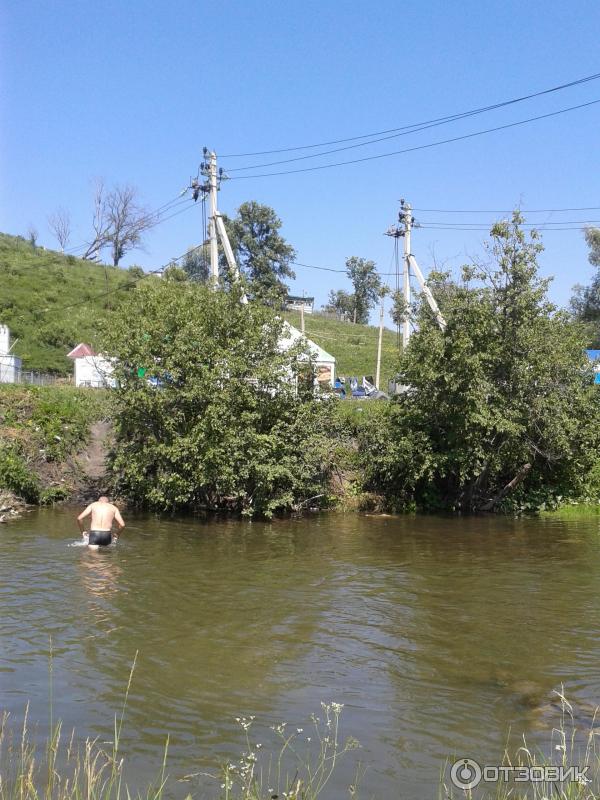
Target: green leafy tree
585 302
501 412
263 255
367 287
207 416
340 303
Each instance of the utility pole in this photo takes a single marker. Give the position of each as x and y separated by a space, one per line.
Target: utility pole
406 217
378 370
404 229
216 226
212 220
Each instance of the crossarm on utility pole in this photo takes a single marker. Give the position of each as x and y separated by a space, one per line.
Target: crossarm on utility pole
428 296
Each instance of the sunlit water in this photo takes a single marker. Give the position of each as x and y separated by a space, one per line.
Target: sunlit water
438 635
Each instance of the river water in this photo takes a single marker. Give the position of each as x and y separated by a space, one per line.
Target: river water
442 637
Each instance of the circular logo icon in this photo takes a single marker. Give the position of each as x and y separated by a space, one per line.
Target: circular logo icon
465 773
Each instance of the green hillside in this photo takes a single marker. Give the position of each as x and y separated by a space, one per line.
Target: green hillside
354 346
38 286
50 301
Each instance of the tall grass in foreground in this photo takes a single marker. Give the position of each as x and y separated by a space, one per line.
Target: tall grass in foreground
64 770
569 747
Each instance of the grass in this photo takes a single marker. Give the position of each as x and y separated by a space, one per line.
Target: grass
569 748
354 346
41 427
573 511
50 301
64 770
38 288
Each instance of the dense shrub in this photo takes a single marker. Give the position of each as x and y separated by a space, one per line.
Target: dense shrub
501 411
207 416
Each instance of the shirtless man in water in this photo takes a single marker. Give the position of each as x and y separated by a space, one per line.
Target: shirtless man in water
103 515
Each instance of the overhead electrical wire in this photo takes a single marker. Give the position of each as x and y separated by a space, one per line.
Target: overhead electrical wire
449 118
503 211
419 147
165 208
414 129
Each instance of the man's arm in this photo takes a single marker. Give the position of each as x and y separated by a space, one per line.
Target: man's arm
119 520
82 516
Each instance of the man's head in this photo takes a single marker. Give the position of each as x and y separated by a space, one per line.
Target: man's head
103 499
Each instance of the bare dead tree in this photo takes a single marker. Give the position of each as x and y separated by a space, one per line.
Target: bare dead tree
127 221
60 225
119 222
32 235
100 224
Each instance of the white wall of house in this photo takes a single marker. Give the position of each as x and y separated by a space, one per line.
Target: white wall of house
324 362
93 371
10 366
10 369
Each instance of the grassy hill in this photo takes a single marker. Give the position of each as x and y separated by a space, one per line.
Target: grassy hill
38 286
354 346
50 301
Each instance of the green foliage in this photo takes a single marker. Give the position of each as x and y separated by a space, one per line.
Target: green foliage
16 476
585 302
501 413
354 346
340 303
223 429
40 428
41 290
262 253
367 287
52 420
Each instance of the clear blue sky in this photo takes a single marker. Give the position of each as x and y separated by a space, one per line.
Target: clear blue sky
132 91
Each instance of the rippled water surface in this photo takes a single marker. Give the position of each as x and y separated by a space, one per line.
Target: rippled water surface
438 635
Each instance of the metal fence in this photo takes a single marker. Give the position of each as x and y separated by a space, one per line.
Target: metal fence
33 378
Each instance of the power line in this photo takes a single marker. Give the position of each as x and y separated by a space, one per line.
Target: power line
414 129
169 206
504 211
448 118
418 147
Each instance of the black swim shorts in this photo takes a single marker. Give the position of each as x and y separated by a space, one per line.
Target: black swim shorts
103 538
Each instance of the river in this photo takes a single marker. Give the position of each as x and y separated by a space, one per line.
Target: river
442 637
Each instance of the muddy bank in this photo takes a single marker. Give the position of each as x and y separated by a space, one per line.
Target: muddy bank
11 507
54 443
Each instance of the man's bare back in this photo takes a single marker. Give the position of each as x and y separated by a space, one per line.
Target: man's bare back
103 514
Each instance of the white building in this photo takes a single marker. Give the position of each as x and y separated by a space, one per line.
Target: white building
91 369
10 366
324 362
295 303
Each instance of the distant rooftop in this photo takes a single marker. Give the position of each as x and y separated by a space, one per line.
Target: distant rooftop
81 351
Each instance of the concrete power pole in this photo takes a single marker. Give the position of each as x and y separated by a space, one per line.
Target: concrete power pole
216 226
404 229
378 369
212 220
407 219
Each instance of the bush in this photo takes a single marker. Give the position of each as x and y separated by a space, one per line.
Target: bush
15 475
206 413
502 413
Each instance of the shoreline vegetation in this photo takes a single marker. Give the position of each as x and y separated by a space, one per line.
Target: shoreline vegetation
283 761
47 435
213 414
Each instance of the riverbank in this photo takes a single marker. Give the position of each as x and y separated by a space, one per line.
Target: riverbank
53 442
